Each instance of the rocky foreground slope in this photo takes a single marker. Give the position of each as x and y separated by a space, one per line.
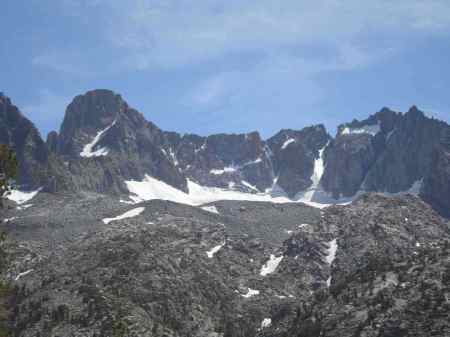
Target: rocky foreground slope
91 266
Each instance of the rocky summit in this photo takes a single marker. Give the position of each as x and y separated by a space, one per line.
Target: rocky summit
117 228
103 144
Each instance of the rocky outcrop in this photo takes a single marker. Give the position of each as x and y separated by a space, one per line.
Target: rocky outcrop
105 142
388 152
388 272
376 267
237 161
348 158
436 189
20 133
171 270
293 156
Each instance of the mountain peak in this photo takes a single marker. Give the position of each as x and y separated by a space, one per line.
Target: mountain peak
414 111
94 110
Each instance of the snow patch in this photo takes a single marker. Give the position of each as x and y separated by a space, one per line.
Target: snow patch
287 142
23 207
365 129
173 157
126 202
212 209
229 169
129 214
234 168
23 274
331 251
150 188
210 253
21 197
88 149
270 266
250 293
266 322
250 186
252 162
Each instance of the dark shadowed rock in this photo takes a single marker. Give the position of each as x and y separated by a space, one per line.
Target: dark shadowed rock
293 155
436 189
105 142
20 133
52 141
388 152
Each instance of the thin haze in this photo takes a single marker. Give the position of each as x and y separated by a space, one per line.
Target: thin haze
210 66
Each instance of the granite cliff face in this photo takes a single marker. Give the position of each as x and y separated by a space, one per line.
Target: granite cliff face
388 152
293 156
103 143
19 133
437 184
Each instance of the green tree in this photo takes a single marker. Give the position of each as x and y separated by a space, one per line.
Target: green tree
8 170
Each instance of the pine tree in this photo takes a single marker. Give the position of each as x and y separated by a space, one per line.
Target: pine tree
8 171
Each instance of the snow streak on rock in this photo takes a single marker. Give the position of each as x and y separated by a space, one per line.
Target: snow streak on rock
212 209
368 129
214 250
331 251
270 266
250 293
266 322
88 150
287 142
23 274
130 214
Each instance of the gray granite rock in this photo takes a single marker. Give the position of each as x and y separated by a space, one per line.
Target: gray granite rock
18 132
436 189
103 142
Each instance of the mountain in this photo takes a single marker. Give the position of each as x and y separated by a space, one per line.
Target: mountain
128 230
104 144
388 152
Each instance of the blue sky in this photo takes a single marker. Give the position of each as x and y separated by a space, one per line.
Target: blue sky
207 66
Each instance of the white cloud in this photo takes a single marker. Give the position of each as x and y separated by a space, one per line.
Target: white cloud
274 79
173 33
